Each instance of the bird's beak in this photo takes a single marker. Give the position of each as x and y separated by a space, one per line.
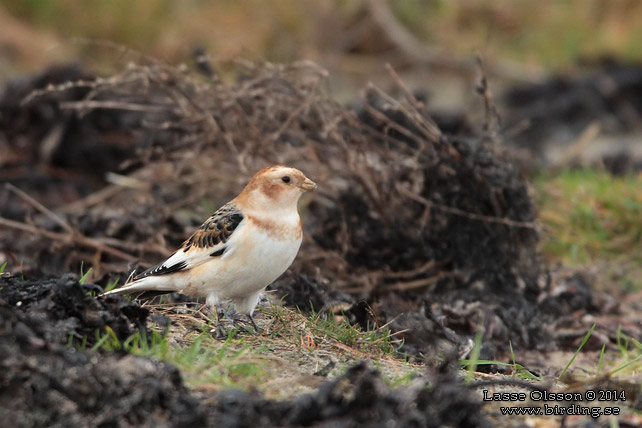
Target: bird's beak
308 184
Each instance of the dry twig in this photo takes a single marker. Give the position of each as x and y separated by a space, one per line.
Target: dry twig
462 213
74 238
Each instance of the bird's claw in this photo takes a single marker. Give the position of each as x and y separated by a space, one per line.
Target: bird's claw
236 321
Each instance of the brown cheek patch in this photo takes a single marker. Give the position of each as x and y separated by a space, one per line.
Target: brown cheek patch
271 190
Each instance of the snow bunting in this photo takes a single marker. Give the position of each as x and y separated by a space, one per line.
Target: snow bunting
244 246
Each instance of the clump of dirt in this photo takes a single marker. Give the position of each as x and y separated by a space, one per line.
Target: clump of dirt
360 397
62 310
46 383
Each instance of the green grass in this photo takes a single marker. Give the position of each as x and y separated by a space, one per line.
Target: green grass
202 360
111 285
246 360
601 360
3 267
471 364
378 341
627 362
630 357
591 216
85 276
320 326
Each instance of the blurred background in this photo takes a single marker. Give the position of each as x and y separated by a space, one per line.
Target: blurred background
520 40
564 75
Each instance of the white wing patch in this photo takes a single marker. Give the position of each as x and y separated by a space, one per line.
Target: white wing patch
181 260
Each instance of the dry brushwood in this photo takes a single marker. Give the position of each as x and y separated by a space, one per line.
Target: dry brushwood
401 206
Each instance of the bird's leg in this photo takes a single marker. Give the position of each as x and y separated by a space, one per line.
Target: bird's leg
223 330
256 328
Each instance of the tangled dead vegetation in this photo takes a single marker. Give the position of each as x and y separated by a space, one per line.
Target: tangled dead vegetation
434 233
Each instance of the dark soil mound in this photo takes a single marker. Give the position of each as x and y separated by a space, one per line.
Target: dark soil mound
45 383
455 227
405 214
62 311
359 398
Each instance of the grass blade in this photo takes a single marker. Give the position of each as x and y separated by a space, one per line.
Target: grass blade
586 338
474 354
512 354
83 279
111 285
599 363
625 365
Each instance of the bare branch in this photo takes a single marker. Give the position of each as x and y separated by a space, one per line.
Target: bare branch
52 215
462 213
75 238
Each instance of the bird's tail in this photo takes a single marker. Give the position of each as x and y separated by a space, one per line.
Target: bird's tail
144 284
127 288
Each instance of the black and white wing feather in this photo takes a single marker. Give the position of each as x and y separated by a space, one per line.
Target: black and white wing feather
208 241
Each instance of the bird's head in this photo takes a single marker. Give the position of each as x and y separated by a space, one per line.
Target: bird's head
274 188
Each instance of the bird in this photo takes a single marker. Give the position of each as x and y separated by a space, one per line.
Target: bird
238 251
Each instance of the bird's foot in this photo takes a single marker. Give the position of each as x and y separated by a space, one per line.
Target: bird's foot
230 324
222 313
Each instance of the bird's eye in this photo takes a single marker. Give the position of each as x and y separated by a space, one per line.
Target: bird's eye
286 179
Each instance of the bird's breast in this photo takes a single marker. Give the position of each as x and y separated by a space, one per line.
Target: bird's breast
285 229
260 261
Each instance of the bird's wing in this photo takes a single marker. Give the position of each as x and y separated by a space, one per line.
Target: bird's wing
209 240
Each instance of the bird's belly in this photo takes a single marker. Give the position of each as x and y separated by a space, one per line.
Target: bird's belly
265 264
255 262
